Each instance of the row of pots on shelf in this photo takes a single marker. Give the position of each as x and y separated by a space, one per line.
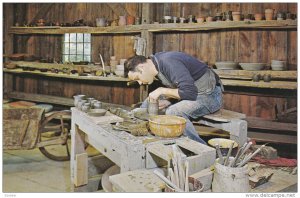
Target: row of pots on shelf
276 65
231 16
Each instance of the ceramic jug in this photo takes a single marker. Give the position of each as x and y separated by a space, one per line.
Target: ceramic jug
122 20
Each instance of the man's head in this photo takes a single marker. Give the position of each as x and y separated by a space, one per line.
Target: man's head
141 69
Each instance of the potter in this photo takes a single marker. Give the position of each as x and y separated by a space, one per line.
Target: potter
191 89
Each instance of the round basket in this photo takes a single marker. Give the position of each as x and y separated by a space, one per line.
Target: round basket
167 125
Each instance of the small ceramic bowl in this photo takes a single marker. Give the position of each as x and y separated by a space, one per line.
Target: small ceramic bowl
119 73
224 145
253 66
226 65
97 112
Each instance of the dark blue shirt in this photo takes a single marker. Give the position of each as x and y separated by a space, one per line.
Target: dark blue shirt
182 70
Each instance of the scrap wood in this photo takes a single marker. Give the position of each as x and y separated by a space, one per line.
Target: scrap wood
259 174
259 179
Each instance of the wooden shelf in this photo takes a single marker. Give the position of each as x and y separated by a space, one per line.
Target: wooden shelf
53 65
243 74
171 27
71 76
261 84
54 99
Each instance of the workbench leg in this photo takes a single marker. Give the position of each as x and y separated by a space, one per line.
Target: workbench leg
78 160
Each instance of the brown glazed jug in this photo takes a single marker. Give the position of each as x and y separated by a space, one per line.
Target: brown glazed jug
130 20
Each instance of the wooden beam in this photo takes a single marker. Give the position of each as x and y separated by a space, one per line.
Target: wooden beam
274 138
147 13
261 84
259 123
55 99
8 21
243 74
148 36
62 75
81 169
42 98
170 27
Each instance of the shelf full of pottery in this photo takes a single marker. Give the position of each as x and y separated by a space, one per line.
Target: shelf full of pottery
258 75
75 70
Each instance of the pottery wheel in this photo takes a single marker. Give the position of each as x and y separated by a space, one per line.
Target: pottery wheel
106 184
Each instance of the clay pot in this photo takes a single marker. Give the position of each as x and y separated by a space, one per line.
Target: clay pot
182 20
122 20
258 16
174 19
137 21
280 16
200 20
130 20
209 19
267 77
236 16
269 14
100 22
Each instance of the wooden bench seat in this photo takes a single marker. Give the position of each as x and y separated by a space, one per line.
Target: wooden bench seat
230 121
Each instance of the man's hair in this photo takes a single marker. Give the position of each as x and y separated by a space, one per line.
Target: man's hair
132 62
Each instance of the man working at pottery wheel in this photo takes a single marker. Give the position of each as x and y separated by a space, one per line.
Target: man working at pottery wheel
196 87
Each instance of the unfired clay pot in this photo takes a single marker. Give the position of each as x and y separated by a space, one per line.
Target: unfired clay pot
236 16
258 16
269 14
200 20
122 20
209 19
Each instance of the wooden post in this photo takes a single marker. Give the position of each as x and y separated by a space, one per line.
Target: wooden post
81 169
8 44
148 36
147 12
78 160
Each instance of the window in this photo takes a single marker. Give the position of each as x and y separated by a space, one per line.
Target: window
77 47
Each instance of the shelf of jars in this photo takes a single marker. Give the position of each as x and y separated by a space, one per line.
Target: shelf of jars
182 27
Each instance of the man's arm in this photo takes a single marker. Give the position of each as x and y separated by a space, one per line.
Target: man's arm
172 93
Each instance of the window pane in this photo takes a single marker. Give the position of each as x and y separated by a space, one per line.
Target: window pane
72 48
73 58
76 47
87 37
73 37
79 37
87 48
66 48
79 57
66 58
79 48
67 37
87 58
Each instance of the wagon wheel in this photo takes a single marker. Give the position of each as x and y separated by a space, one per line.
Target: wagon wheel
54 138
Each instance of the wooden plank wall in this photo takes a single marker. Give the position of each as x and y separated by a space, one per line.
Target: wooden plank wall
234 45
50 47
212 46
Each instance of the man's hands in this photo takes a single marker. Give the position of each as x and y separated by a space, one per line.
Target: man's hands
162 104
153 96
170 93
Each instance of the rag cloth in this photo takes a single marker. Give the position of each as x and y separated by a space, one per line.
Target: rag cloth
280 161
